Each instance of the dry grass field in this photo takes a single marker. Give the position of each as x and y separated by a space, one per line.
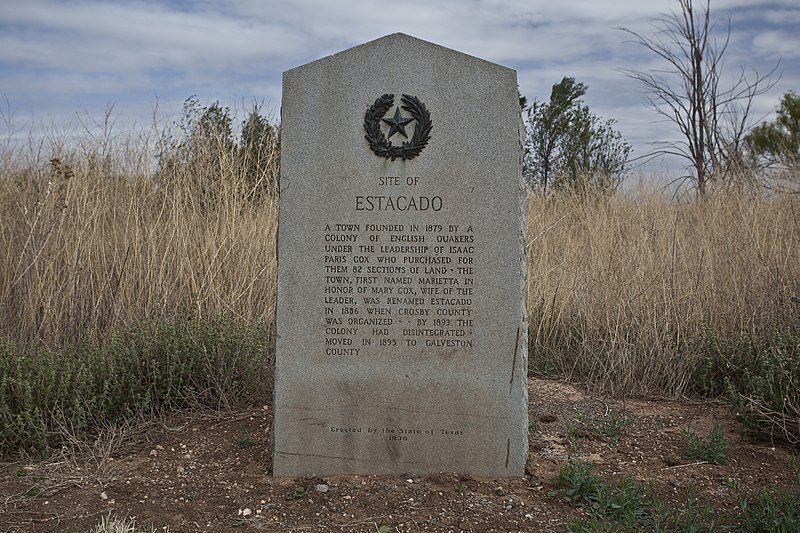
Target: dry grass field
132 292
634 294
86 250
90 242
625 293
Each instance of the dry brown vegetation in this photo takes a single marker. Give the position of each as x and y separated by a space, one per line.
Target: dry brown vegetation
130 289
91 241
626 292
623 292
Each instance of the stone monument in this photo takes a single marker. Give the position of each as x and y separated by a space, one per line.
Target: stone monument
401 330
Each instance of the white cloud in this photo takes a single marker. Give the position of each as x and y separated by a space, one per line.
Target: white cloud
59 57
778 43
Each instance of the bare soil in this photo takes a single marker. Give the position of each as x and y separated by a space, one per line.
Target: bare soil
215 475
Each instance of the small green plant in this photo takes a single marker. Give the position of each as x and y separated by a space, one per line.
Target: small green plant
592 524
622 504
765 391
760 375
769 511
711 449
625 509
298 493
534 431
795 464
33 492
612 426
693 518
246 437
732 483
460 488
575 444
384 528
578 482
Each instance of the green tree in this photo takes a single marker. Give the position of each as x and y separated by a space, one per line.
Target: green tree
777 143
212 146
570 148
202 143
202 151
259 154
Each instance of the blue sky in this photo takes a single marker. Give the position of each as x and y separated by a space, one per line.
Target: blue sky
64 61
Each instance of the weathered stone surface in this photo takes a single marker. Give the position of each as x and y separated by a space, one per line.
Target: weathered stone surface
402 339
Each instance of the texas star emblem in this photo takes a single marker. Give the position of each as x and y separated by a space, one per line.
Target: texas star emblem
381 143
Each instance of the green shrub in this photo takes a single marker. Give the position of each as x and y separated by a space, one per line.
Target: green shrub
760 378
766 394
766 511
622 503
578 482
610 427
624 507
152 367
711 449
717 359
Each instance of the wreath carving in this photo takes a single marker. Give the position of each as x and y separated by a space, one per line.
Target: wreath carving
382 146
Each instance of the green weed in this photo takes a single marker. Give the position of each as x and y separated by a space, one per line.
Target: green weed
760 376
149 368
614 425
766 390
692 518
246 438
576 447
298 493
609 427
534 431
711 449
764 510
624 507
769 511
623 503
578 482
33 492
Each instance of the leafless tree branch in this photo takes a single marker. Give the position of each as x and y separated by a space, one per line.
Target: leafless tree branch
712 119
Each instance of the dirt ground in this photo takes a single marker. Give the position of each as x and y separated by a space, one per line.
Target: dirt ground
214 475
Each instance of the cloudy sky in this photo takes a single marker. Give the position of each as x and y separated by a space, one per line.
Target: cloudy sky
61 59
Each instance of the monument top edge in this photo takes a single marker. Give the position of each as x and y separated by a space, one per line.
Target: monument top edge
393 40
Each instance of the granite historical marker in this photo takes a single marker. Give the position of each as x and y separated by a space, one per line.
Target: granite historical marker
402 336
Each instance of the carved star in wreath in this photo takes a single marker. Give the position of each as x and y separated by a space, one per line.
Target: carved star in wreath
398 124
380 144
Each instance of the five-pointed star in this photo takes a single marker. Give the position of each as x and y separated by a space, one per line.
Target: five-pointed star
398 123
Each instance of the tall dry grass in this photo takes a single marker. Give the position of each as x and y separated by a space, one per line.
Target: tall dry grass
625 293
91 241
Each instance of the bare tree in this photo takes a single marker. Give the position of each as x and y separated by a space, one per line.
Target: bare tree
712 119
